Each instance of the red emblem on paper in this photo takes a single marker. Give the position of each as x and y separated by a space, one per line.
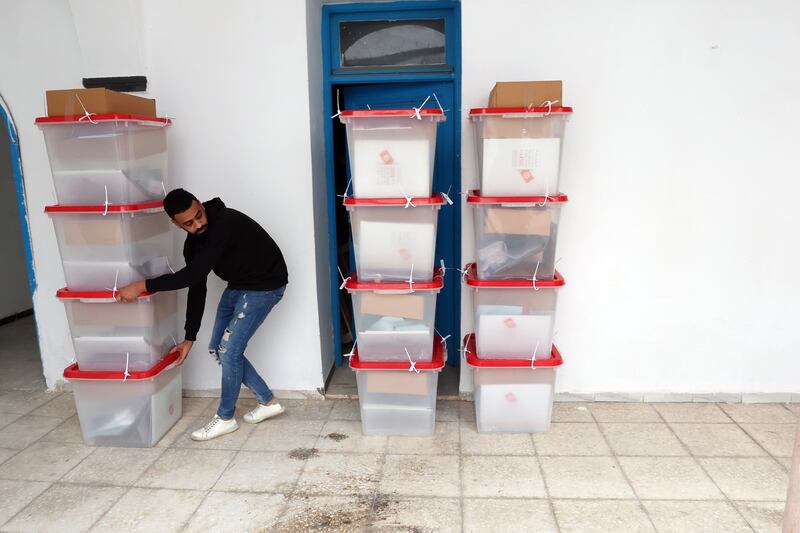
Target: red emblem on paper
509 322
510 397
386 157
527 175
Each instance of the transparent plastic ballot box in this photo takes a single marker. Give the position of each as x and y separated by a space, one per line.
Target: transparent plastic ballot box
394 239
98 158
112 335
391 151
107 246
514 319
398 398
132 410
519 149
394 320
515 237
512 395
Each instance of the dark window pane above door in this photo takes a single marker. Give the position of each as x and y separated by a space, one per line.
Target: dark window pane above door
392 43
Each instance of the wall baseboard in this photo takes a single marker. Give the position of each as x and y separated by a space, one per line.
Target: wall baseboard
16 316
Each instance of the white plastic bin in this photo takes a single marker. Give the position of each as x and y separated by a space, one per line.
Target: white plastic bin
394 238
515 237
395 399
391 151
102 244
121 159
395 320
132 411
514 319
108 334
519 149
512 395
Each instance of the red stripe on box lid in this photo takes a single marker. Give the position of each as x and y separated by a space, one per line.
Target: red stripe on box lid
473 359
474 281
436 364
73 372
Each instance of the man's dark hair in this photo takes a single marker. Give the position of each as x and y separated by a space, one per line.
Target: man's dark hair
178 201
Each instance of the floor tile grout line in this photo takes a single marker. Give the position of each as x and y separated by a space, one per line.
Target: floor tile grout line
377 493
769 454
705 470
549 497
622 470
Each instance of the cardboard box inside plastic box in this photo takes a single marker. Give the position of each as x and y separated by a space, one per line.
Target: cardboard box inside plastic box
525 93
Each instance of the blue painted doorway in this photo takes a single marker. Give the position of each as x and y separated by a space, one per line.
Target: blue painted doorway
364 84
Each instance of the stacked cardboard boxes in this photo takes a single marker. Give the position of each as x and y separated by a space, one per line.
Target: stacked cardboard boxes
108 157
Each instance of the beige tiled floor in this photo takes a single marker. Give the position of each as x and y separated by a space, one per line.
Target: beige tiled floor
602 467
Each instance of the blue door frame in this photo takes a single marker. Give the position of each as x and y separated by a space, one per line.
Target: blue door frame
334 77
16 169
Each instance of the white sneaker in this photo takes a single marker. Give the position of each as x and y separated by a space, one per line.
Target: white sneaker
262 412
216 428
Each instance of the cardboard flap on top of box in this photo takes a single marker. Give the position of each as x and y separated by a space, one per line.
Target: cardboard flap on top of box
69 102
525 93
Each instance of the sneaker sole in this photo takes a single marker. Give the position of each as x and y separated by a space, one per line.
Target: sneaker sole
266 417
200 439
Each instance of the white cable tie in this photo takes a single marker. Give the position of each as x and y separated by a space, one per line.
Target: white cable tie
174 341
163 188
533 359
549 105
446 196
126 375
106 203
169 266
555 333
344 279
438 103
546 196
346 189
352 350
536 271
442 267
338 109
114 288
443 339
411 279
413 365
165 122
368 107
86 114
416 114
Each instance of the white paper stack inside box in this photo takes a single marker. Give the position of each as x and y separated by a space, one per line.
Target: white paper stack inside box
516 236
514 319
512 395
519 149
395 320
391 151
114 158
396 398
132 410
394 239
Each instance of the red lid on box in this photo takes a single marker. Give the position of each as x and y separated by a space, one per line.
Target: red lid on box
554 110
108 117
353 284
127 208
473 359
66 294
433 200
436 364
474 197
473 281
73 372
390 112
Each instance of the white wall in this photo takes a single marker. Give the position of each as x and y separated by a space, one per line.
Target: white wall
681 163
235 78
14 292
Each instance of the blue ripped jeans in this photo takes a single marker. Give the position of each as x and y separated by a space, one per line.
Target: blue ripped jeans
239 315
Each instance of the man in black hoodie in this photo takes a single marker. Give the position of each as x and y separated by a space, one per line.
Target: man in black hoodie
238 250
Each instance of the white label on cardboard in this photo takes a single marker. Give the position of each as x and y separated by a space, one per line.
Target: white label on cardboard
387 167
520 167
399 305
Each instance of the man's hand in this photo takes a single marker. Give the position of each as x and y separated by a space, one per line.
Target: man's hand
130 293
183 348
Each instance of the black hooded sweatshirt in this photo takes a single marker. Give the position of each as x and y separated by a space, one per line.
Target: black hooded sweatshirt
236 248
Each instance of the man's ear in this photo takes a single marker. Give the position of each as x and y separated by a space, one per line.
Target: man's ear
176 223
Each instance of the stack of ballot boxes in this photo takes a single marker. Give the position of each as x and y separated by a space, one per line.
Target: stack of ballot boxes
109 172
514 280
393 217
